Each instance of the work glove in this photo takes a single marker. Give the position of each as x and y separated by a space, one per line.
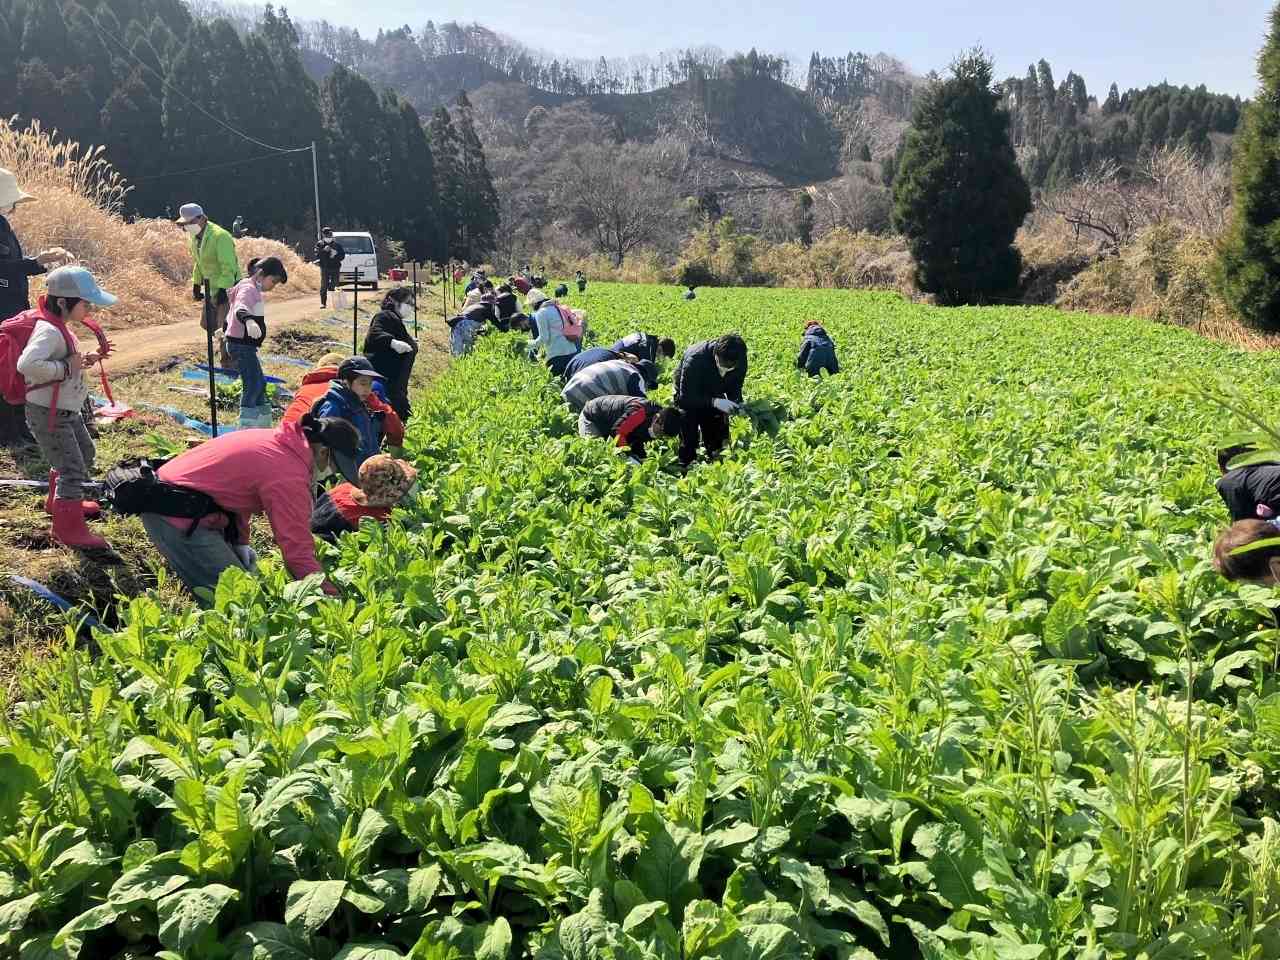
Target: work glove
253 330
724 406
633 461
220 297
244 553
399 346
196 293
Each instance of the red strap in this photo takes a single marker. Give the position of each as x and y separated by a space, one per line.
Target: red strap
106 387
629 425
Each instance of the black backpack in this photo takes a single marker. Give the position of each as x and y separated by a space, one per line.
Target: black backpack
133 487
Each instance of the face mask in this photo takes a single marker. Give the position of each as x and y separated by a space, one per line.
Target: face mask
724 371
193 229
406 311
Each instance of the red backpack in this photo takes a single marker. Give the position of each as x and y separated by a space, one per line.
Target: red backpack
570 323
14 334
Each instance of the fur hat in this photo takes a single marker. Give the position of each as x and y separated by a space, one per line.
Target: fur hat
384 480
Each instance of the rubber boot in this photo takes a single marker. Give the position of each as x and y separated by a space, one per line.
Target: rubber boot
92 509
69 527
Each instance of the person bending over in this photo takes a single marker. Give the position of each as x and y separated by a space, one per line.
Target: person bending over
632 420
817 351
708 388
646 346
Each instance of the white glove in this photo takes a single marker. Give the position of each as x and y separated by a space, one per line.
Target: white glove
244 553
724 406
399 346
252 329
633 461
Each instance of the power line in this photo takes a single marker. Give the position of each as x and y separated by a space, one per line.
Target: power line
164 83
218 166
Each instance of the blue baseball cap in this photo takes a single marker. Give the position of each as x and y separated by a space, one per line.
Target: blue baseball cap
77 282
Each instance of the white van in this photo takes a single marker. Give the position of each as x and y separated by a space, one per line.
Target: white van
360 256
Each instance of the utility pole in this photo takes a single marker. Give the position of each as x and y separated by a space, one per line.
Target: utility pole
315 180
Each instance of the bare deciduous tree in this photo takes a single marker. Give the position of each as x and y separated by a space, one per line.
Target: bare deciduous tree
621 198
1169 185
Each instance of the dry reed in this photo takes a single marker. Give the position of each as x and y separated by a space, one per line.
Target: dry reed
146 263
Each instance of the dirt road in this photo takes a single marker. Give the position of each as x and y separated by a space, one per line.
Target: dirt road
137 349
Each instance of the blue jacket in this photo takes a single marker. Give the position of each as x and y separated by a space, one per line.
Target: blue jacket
340 401
586 358
817 353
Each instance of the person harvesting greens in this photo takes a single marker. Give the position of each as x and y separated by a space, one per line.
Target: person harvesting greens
391 349
708 385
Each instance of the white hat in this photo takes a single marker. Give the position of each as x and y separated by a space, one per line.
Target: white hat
10 193
189 213
535 297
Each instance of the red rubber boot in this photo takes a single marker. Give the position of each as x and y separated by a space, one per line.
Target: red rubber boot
92 509
70 529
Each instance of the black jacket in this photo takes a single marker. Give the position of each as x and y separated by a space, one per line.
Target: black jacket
330 254
1243 488
642 345
698 380
395 367
506 305
610 414
15 269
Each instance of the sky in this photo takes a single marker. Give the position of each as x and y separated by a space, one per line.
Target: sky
1130 42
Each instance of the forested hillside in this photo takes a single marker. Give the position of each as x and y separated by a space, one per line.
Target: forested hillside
224 111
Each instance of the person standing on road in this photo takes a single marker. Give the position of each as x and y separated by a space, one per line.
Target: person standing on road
213 255
246 330
15 273
329 254
391 349
708 385
53 367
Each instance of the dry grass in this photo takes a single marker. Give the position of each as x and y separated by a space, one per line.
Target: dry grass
145 263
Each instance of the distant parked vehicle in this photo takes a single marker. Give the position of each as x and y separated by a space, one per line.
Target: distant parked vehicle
359 256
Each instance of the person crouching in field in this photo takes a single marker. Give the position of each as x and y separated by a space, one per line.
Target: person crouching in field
384 482
245 333
632 420
817 351
53 367
612 378
1248 492
244 473
1258 563
708 385
350 397
391 350
646 346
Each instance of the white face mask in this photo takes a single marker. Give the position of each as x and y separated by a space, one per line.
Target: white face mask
406 311
192 228
724 371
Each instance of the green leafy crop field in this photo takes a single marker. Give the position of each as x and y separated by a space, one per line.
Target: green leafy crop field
907 674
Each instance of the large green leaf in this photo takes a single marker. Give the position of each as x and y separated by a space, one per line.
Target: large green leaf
311 903
186 915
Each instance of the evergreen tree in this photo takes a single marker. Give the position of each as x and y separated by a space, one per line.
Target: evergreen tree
353 187
1248 269
959 196
1112 105
444 151
132 130
418 181
479 210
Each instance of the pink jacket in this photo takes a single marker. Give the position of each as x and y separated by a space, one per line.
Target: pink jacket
255 471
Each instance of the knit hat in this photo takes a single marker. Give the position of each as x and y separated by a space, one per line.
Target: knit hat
535 298
330 360
384 480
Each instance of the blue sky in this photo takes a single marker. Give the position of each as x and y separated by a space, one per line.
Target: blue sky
1131 42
